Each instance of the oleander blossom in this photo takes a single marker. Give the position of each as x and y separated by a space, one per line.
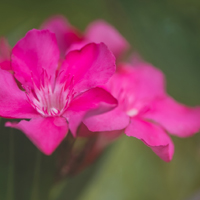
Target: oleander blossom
145 111
54 96
69 38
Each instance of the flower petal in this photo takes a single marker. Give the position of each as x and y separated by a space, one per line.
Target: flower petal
153 136
136 86
176 118
77 46
100 31
13 101
45 133
92 102
147 81
5 51
113 120
36 52
65 33
93 65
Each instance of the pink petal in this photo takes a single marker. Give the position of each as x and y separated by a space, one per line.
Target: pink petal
77 46
148 81
36 52
13 101
93 65
6 65
135 87
92 102
113 120
45 133
100 31
5 51
65 33
5 48
176 118
153 136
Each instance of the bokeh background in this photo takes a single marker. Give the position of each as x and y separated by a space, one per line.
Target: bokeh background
167 34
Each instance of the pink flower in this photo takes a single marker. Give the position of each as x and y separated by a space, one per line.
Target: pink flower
5 51
98 31
145 111
54 97
66 34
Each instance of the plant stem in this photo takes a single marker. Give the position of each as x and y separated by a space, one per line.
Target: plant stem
10 181
36 178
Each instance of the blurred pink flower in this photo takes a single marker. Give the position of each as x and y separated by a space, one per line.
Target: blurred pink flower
98 31
145 111
5 51
66 34
54 97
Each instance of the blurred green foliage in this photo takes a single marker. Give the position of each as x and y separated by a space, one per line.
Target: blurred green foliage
167 34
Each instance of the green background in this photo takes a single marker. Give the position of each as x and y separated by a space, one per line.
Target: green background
167 34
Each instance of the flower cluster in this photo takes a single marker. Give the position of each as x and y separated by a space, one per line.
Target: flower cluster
58 79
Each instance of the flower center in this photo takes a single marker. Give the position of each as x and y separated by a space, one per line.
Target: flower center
132 112
127 102
51 99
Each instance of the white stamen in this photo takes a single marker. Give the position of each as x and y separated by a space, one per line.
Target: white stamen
51 99
132 112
